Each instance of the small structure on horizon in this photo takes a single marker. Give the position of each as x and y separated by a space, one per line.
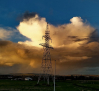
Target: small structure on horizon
28 79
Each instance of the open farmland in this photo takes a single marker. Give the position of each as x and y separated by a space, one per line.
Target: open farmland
8 85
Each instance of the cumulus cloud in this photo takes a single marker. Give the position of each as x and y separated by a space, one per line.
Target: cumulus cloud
35 26
75 45
33 29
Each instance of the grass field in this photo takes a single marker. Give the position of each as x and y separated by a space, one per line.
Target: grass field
8 85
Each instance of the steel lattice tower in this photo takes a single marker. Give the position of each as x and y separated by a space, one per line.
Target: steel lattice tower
46 64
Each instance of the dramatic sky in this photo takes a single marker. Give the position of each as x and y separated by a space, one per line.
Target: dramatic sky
74 29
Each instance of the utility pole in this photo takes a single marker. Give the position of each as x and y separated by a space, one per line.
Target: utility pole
54 75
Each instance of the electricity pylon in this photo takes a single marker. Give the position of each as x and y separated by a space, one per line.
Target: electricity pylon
46 64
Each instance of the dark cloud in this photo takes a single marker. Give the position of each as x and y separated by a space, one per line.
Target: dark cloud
93 37
24 58
27 15
4 43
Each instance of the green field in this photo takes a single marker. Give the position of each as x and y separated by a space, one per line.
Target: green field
8 85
